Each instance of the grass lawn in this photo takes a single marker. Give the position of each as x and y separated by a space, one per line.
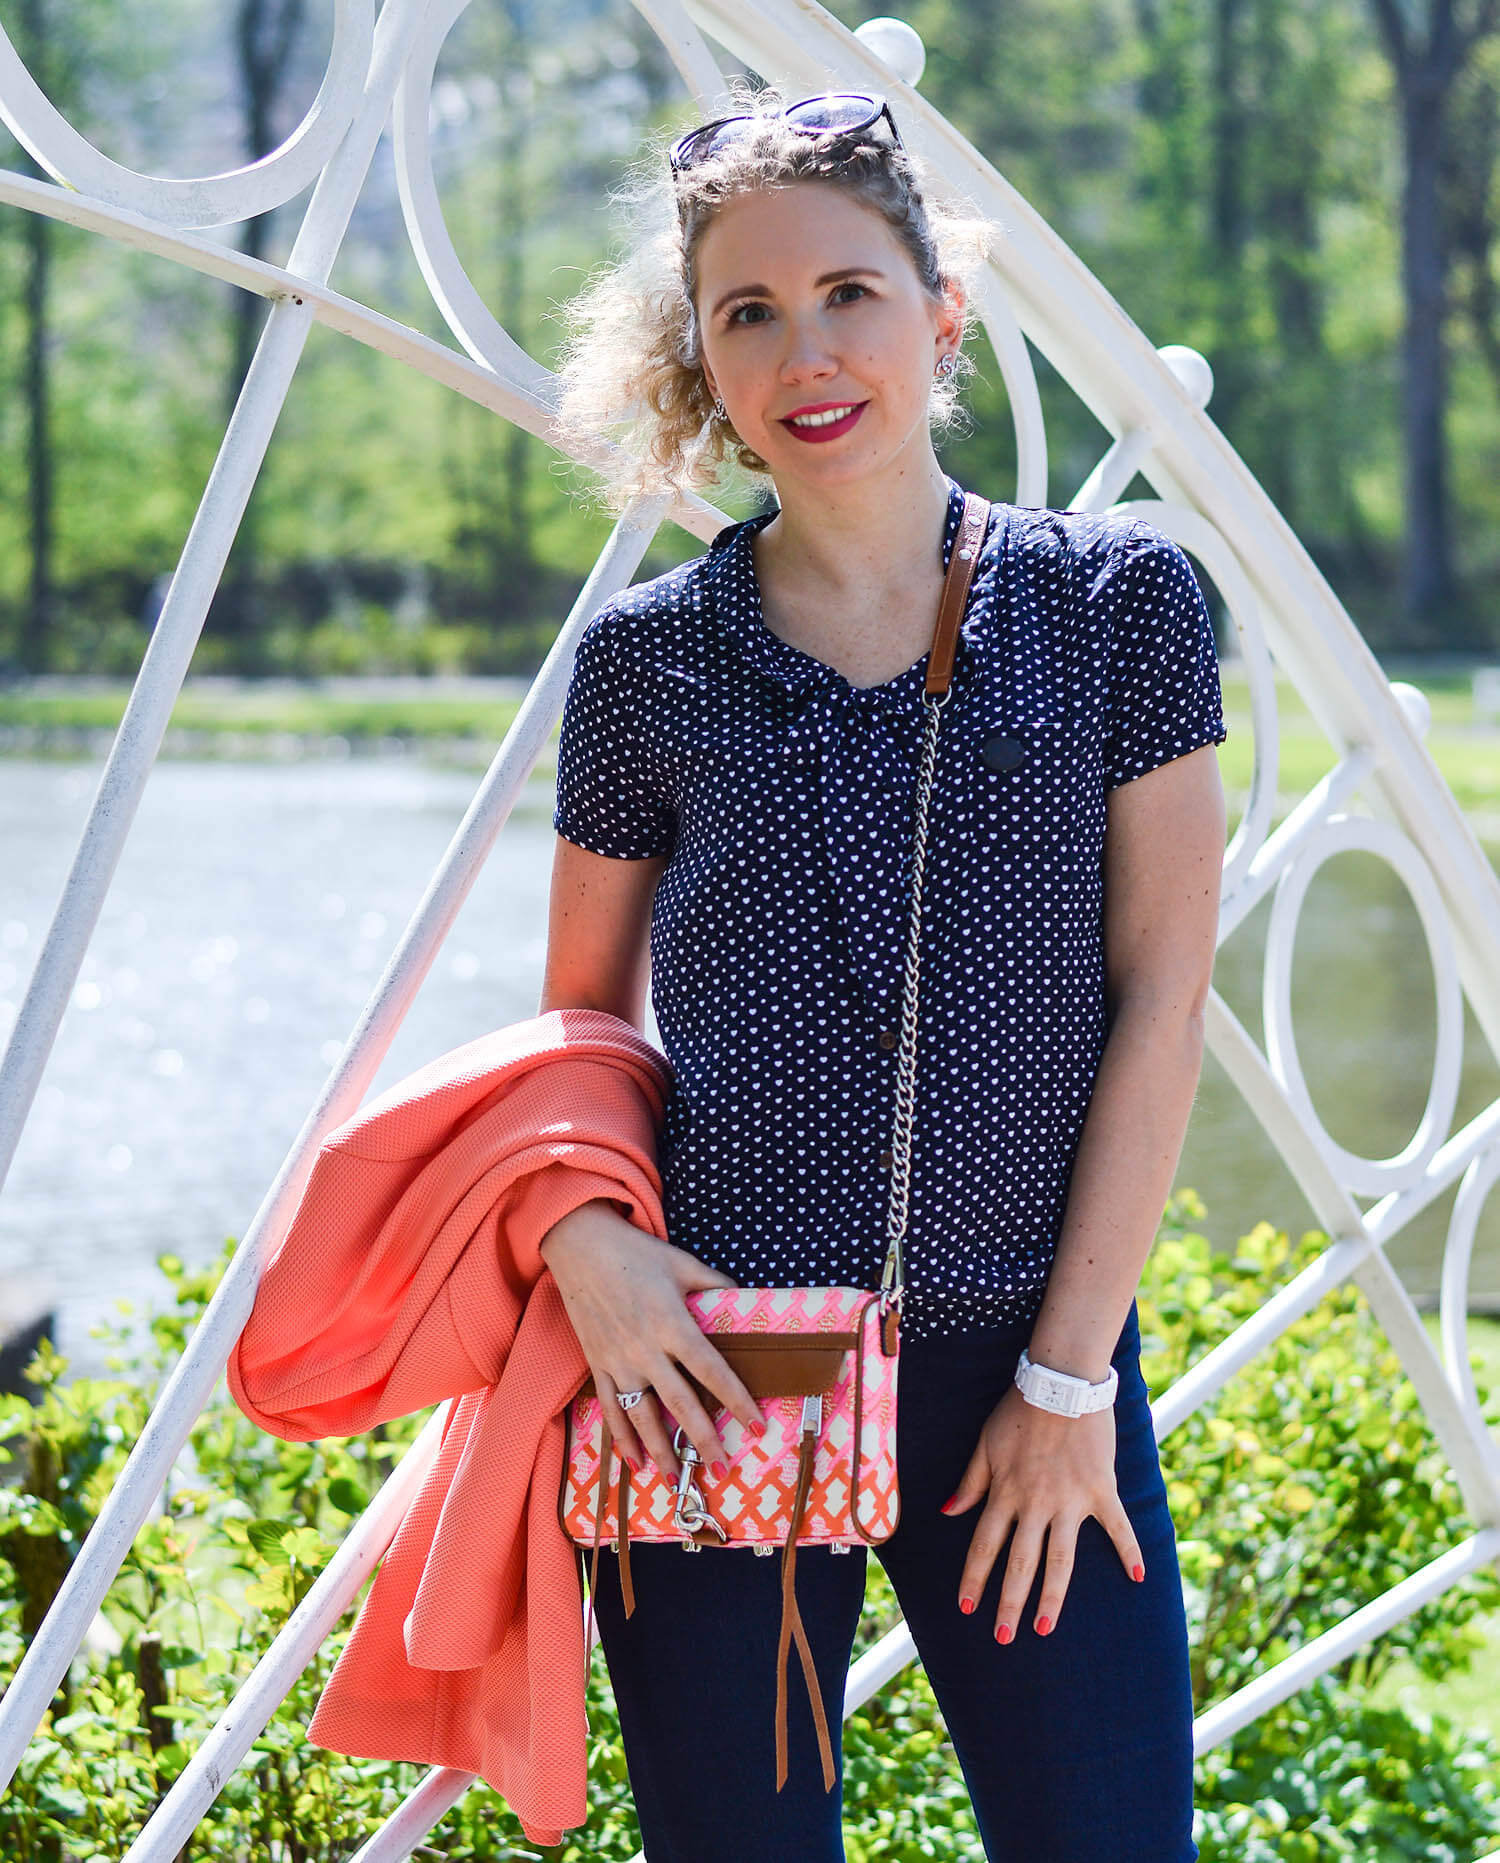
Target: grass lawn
264 711
1467 753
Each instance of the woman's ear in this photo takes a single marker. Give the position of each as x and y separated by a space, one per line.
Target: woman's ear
953 317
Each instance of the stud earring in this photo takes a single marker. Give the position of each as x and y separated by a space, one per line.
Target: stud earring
720 411
946 365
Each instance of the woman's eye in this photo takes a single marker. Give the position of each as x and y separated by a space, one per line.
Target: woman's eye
848 284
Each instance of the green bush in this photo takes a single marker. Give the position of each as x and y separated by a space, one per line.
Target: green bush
1307 1488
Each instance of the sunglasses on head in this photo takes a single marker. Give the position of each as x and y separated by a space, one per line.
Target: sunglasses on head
837 113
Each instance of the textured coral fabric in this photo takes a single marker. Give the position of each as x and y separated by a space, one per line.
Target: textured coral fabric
410 1273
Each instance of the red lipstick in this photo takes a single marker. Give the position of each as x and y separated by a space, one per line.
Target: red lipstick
832 429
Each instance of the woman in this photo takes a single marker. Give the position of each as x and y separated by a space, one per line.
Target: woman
735 783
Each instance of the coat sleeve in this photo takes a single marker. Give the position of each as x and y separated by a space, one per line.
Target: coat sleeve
401 1282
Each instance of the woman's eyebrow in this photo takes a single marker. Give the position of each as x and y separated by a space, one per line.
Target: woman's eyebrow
828 278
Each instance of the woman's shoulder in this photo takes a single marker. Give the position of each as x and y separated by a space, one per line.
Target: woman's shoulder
1087 554
651 614
1048 530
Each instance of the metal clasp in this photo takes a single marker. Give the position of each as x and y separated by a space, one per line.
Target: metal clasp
690 1515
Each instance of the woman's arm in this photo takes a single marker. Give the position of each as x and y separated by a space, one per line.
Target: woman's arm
599 933
1040 1474
625 1290
1163 856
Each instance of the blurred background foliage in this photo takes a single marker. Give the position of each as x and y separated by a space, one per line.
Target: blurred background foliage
1308 1486
1301 189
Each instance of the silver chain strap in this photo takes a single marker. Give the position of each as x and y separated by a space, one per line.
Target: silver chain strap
891 1280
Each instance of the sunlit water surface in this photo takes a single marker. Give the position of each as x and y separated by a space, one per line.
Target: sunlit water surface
255 905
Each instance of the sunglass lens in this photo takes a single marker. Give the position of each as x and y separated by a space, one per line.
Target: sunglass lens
844 110
702 143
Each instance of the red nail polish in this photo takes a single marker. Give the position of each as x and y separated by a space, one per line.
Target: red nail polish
950 1500
758 1427
721 1469
1043 1626
635 1466
1138 1572
1003 1634
966 1605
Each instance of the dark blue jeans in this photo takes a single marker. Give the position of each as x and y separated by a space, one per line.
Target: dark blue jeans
1075 1747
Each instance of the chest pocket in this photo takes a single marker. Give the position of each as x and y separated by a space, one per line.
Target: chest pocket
1035 781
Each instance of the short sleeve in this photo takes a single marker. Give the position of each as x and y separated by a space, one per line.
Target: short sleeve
610 797
1165 697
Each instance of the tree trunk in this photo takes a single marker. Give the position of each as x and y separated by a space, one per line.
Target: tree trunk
514 554
1428 579
38 623
1426 68
266 33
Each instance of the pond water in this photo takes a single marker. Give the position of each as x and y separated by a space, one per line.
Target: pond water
255 905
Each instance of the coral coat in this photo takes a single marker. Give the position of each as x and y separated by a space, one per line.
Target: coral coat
410 1273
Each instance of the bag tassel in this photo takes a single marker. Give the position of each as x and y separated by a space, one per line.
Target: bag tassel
792 1626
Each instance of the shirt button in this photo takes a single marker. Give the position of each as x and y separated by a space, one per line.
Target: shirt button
887 1038
886 1161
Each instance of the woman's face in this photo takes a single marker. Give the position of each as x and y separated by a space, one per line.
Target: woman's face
782 335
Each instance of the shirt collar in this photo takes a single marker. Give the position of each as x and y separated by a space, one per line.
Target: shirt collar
734 596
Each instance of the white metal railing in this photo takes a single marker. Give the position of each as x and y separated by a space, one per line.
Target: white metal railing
1381 794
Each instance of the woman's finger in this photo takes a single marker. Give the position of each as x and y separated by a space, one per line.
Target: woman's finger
655 1434
1062 1544
984 1544
621 1427
713 1371
1116 1523
645 1422
681 1398
1020 1569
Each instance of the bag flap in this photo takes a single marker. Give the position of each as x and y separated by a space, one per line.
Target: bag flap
772 1364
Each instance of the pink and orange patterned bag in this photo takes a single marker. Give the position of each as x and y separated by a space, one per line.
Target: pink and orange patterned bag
820 1361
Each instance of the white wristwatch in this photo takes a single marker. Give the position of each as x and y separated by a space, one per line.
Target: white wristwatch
1060 1391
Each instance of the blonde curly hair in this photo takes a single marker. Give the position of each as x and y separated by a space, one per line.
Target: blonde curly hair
630 364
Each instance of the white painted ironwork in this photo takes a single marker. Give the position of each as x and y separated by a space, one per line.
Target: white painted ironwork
1381 794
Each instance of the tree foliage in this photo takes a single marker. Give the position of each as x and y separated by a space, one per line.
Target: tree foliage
1232 169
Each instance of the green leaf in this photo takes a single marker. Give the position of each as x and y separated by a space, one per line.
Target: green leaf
266 1537
348 1496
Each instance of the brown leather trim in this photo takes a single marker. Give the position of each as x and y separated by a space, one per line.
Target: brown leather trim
859 1405
792 1626
859 1411
773 1364
622 1520
805 1371
562 1486
971 531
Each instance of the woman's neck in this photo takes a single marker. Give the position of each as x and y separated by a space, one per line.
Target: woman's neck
860 536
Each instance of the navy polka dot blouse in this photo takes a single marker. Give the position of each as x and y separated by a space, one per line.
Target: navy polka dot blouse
784 797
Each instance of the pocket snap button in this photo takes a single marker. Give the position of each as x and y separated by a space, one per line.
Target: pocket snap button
999 752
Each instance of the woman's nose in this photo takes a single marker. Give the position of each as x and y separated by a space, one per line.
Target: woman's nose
807 355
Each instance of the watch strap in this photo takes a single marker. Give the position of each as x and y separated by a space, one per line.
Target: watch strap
1062 1392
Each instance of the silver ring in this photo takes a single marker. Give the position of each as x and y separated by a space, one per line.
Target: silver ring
629 1399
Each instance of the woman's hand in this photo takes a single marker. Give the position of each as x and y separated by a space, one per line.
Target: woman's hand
1044 1474
624 1291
